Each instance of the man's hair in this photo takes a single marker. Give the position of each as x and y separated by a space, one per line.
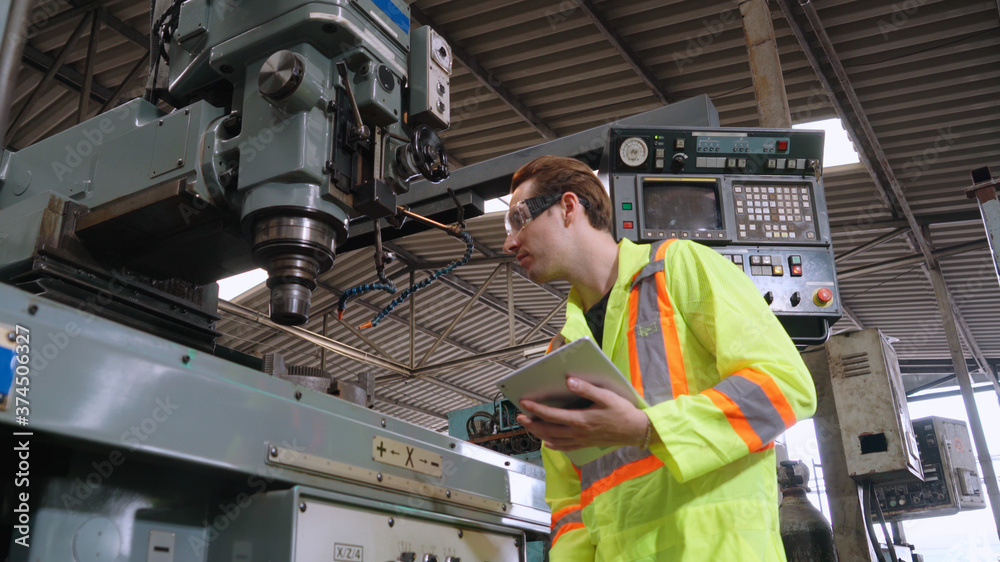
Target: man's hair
557 175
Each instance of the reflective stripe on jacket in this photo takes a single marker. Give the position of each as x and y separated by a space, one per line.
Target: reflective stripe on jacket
723 380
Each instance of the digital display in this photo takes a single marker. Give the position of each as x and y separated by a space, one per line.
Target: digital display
681 205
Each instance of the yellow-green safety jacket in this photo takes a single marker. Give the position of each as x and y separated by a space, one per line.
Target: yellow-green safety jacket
723 380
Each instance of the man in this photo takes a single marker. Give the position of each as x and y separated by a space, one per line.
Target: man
694 479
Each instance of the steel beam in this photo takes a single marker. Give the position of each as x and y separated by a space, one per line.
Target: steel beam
852 316
65 75
518 349
462 286
965 384
72 13
626 52
910 260
352 353
88 74
461 314
946 393
13 22
555 310
861 119
765 67
139 65
401 404
984 191
401 320
917 235
487 78
880 191
413 320
322 350
358 334
339 348
46 80
121 27
491 254
870 244
853 226
963 329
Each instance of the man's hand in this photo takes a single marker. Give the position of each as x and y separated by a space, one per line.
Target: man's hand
611 420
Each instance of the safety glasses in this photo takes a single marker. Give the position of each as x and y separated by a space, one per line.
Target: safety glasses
525 210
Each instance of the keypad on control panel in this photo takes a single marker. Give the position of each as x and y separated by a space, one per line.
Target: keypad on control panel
769 212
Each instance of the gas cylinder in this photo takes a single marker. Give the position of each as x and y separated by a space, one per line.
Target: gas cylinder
804 531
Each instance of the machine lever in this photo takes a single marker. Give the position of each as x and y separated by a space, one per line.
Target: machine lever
361 130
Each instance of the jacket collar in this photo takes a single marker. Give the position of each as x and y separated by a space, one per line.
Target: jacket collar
631 259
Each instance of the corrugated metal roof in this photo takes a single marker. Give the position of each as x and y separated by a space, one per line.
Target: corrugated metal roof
926 76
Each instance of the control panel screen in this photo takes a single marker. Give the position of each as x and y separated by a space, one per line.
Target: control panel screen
681 205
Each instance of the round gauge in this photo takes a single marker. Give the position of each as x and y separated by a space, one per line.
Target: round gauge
633 151
440 52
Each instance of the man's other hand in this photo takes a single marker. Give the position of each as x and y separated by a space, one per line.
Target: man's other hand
610 421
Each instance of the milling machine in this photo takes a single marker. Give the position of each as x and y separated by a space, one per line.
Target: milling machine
139 438
301 129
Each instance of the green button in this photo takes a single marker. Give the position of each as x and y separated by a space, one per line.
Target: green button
795 260
626 206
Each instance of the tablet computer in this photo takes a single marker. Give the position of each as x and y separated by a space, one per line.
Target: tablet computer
544 381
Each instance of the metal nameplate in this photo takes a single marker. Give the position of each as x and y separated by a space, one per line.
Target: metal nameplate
331 468
399 454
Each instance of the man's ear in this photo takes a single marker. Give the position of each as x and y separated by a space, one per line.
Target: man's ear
570 204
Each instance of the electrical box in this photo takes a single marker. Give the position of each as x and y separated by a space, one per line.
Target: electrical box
951 480
874 422
430 73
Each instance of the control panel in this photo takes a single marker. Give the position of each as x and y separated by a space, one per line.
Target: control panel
951 482
740 151
755 195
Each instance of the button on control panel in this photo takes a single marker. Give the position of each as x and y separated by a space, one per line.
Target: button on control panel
791 280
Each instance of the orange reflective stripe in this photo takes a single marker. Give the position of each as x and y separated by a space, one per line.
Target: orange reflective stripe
736 418
634 369
671 339
623 474
773 393
563 513
661 251
565 529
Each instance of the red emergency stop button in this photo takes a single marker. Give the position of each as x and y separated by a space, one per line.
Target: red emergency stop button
628 225
823 297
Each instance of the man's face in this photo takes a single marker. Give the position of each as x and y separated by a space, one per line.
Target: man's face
536 244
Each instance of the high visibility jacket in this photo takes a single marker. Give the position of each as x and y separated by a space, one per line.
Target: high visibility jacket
723 380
